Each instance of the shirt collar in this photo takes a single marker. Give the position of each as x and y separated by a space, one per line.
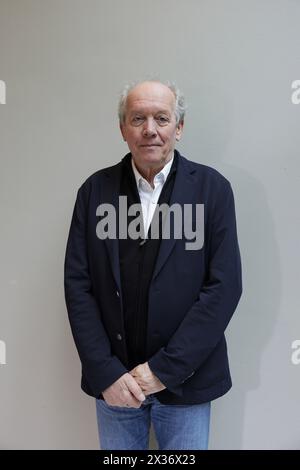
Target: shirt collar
159 177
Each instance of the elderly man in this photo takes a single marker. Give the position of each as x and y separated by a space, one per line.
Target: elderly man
148 314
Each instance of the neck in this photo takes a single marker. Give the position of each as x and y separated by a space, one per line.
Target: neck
149 172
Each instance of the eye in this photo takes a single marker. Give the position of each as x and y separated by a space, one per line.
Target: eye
162 120
136 120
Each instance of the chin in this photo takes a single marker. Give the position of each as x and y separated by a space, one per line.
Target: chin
155 161
152 157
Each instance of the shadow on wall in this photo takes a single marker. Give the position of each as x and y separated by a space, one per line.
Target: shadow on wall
252 325
254 321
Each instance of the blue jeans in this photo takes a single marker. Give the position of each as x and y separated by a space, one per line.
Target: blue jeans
176 427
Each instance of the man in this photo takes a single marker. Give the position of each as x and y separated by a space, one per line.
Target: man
148 314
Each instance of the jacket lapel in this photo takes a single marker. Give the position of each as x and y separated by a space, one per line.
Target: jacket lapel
183 193
110 194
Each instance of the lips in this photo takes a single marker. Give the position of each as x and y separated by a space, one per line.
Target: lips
151 145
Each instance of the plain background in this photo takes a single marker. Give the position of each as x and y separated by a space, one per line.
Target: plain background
64 63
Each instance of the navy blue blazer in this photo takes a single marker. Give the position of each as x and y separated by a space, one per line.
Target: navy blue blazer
192 295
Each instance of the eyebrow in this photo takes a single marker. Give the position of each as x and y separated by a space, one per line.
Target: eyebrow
162 111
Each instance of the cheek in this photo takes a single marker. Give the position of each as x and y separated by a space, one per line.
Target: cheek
135 136
169 136
132 138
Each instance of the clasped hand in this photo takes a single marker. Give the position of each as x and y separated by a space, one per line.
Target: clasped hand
131 389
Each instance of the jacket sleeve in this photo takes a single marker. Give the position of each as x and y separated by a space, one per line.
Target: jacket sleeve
99 366
204 324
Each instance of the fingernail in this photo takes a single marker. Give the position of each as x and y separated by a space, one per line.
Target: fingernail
142 397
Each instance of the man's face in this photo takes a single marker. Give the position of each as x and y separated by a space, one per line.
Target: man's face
150 128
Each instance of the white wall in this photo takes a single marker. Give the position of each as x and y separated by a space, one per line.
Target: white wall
63 63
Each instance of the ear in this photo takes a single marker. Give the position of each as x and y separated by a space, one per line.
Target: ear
179 130
122 129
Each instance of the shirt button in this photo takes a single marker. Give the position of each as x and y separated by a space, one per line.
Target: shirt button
117 292
119 337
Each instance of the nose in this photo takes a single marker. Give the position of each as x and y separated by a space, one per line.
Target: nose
149 129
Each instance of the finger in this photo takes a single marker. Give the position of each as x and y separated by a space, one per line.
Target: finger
133 403
135 372
129 400
135 389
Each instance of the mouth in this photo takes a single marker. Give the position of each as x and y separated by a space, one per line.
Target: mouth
150 145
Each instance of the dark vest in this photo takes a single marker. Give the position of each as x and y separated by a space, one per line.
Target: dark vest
137 263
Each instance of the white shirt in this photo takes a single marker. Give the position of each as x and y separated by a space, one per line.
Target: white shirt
149 196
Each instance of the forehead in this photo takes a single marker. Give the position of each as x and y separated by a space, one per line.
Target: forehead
150 96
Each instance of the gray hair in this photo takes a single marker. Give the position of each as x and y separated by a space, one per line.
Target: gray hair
180 105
